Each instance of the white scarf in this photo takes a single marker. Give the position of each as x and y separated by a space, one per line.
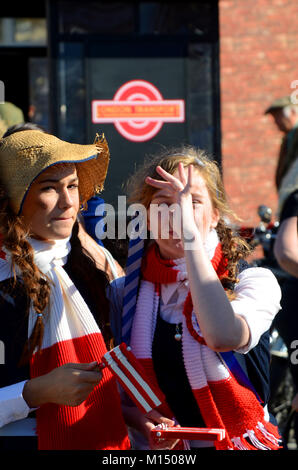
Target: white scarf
69 316
71 335
173 295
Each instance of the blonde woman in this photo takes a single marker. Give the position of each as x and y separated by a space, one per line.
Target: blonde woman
197 308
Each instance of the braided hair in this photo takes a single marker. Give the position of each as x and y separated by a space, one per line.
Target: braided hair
37 287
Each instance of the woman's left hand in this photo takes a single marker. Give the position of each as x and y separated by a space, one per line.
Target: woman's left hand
144 423
152 419
181 188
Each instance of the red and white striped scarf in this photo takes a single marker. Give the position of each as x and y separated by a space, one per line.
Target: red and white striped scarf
222 401
71 335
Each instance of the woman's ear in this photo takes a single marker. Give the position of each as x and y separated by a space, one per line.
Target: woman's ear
215 218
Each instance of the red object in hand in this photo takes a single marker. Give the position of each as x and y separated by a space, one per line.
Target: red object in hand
133 378
198 434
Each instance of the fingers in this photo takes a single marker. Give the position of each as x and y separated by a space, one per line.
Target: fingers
158 418
190 175
158 183
82 366
90 377
170 181
88 373
182 174
163 444
175 182
96 366
99 366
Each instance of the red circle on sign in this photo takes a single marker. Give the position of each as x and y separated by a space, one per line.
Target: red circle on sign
133 129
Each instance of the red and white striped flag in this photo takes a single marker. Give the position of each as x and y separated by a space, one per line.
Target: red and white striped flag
132 376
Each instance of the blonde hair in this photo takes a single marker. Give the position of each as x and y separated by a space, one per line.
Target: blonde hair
233 246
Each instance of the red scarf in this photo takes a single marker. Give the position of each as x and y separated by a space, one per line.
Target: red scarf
222 401
160 271
96 424
71 335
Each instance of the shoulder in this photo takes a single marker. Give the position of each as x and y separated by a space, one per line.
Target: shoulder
258 296
255 279
252 272
290 208
257 291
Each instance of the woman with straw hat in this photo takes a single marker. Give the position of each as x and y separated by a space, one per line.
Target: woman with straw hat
54 311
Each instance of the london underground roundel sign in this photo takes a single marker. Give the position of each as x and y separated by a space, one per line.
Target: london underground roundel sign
138 110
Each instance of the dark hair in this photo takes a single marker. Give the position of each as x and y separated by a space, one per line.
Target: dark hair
86 274
23 126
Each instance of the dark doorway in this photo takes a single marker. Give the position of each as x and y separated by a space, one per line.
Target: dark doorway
16 73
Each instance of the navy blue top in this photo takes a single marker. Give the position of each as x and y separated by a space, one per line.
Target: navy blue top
170 373
14 314
290 208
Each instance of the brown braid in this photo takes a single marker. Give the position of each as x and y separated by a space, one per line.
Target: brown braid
36 286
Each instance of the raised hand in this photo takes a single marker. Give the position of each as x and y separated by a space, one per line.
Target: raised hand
180 189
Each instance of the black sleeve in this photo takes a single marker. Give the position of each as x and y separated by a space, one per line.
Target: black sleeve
290 208
13 334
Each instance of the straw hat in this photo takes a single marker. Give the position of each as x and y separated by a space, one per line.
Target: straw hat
25 154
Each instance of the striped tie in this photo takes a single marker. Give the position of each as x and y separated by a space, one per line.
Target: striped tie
131 285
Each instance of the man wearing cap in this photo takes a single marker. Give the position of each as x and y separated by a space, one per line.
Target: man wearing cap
10 115
285 115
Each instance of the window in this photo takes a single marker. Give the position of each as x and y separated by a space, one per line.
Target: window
23 32
153 18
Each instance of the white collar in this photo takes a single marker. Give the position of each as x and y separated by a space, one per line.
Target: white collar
47 254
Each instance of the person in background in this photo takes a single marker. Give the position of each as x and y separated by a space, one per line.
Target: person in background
285 115
286 253
10 115
286 244
54 308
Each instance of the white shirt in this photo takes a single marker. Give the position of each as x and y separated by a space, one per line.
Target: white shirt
257 300
12 406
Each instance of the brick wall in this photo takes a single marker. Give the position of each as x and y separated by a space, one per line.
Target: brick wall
258 62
